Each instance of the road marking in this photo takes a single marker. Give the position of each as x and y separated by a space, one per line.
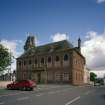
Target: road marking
22 98
39 94
72 101
1 103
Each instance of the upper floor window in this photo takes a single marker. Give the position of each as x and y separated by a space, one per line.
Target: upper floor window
24 62
19 63
30 62
75 61
57 58
42 60
66 57
49 59
35 61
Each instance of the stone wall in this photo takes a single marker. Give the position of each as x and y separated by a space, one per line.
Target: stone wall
78 69
3 84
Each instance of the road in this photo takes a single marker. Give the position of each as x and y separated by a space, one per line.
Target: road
55 95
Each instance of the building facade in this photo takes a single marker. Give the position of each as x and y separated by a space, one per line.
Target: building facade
57 62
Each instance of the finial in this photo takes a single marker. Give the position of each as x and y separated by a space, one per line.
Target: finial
79 38
29 34
79 44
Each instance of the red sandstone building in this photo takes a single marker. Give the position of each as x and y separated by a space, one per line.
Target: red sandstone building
57 62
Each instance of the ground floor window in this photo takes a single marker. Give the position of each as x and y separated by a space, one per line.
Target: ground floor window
62 76
57 76
66 76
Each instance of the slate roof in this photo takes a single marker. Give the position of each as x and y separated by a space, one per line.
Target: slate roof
55 46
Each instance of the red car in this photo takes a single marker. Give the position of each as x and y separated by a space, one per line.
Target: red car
22 85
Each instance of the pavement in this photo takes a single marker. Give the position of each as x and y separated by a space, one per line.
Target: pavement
55 95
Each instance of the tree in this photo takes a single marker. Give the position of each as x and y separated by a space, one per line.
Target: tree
5 58
93 76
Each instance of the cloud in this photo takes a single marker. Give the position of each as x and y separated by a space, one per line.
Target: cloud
100 1
12 46
93 48
58 37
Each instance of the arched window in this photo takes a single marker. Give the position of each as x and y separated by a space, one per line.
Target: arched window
49 59
66 57
30 62
24 63
57 58
35 61
42 60
19 63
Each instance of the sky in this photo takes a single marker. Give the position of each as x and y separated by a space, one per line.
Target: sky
55 20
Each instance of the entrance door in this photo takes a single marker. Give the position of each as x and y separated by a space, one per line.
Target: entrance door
39 77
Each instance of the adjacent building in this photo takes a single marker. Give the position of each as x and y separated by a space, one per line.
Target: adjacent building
104 79
86 76
57 62
8 76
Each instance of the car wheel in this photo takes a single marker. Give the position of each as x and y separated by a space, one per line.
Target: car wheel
29 88
9 88
20 88
24 88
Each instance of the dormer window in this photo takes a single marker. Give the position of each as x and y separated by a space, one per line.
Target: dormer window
52 48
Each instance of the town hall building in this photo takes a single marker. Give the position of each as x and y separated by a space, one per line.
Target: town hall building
57 62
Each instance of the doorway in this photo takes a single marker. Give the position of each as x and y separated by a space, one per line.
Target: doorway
39 77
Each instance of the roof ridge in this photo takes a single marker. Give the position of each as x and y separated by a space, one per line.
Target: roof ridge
54 43
51 47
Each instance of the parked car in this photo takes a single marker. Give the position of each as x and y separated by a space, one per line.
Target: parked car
22 85
97 84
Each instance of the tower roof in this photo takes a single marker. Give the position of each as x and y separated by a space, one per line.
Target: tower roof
30 43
